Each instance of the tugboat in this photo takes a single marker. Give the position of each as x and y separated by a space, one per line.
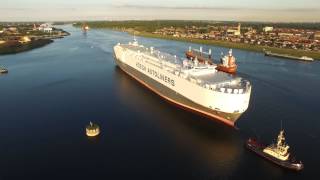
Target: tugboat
228 63
277 153
92 130
85 28
3 70
203 57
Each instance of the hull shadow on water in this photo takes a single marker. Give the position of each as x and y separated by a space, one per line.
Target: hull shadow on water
215 145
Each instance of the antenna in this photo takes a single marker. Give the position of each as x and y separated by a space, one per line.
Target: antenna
134 37
135 42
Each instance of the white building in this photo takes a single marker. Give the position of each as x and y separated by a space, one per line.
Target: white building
46 27
235 32
268 29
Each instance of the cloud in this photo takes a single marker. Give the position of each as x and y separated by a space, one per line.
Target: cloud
212 8
152 12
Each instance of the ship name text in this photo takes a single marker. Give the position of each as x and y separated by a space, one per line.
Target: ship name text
156 74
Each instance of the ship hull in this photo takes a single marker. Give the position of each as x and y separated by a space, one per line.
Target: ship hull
258 149
284 56
230 70
3 71
177 99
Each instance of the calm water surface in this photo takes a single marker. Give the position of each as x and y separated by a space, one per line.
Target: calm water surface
51 94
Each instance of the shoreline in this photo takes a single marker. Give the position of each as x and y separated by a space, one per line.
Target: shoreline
16 48
241 46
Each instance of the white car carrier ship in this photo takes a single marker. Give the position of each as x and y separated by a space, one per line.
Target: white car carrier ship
194 86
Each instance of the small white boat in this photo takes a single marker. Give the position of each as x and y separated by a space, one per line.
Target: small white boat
3 70
306 58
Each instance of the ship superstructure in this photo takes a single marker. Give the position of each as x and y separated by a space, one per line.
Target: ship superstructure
280 149
227 63
203 57
194 86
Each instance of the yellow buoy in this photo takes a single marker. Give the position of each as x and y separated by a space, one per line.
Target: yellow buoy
92 130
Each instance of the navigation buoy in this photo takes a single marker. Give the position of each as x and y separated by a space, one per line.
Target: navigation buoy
92 130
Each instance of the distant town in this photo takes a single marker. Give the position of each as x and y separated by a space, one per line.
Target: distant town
300 39
19 37
303 39
295 39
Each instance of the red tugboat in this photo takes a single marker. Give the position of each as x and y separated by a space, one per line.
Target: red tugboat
203 57
85 28
276 153
228 64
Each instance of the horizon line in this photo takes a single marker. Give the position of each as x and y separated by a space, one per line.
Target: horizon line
216 21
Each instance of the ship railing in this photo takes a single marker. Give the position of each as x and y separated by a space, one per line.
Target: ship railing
222 88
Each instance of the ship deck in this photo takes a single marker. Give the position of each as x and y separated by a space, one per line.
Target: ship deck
203 74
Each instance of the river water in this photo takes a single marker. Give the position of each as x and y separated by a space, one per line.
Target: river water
51 94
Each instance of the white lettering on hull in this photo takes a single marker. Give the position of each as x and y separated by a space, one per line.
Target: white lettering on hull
156 74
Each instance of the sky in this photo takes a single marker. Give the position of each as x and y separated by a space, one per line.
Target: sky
231 10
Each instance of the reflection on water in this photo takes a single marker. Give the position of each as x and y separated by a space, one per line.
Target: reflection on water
212 144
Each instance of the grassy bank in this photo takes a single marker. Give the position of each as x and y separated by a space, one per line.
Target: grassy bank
145 29
16 47
257 48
